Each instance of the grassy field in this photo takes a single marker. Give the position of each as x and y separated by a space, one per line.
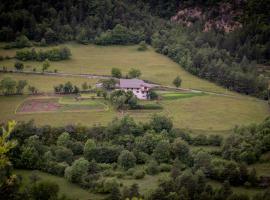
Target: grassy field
200 113
100 60
46 83
66 188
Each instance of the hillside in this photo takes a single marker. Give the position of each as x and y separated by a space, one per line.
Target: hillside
130 22
216 112
134 100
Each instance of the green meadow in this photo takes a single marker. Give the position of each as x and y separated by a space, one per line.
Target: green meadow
197 112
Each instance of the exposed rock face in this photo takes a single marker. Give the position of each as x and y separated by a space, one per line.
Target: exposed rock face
223 16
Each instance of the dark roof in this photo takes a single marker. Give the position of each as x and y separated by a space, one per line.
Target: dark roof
134 83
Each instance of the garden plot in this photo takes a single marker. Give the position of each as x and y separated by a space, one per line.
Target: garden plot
59 104
39 105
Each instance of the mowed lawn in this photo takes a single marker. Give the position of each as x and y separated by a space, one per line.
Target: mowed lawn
65 188
46 83
99 60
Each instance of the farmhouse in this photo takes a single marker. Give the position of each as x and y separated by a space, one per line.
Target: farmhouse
139 88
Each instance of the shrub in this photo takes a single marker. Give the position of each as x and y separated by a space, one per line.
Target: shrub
19 66
106 185
127 159
55 167
200 140
139 174
160 123
130 171
76 147
215 140
55 54
119 35
142 46
141 157
116 73
44 190
134 73
104 154
162 151
153 95
164 167
63 154
77 171
152 167
63 139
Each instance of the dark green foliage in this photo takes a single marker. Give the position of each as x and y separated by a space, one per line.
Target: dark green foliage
7 86
77 171
63 154
52 150
210 62
76 147
162 152
21 84
160 123
132 192
238 197
108 84
152 167
116 73
142 46
247 143
19 66
148 142
55 54
123 100
139 174
153 95
119 35
177 81
134 73
104 154
20 42
114 193
126 159
67 88
212 55
44 190
180 150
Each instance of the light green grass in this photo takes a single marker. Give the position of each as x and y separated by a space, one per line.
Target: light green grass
46 83
190 111
66 188
70 100
100 60
178 95
201 114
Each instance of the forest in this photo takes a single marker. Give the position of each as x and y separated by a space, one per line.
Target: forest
96 158
229 59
